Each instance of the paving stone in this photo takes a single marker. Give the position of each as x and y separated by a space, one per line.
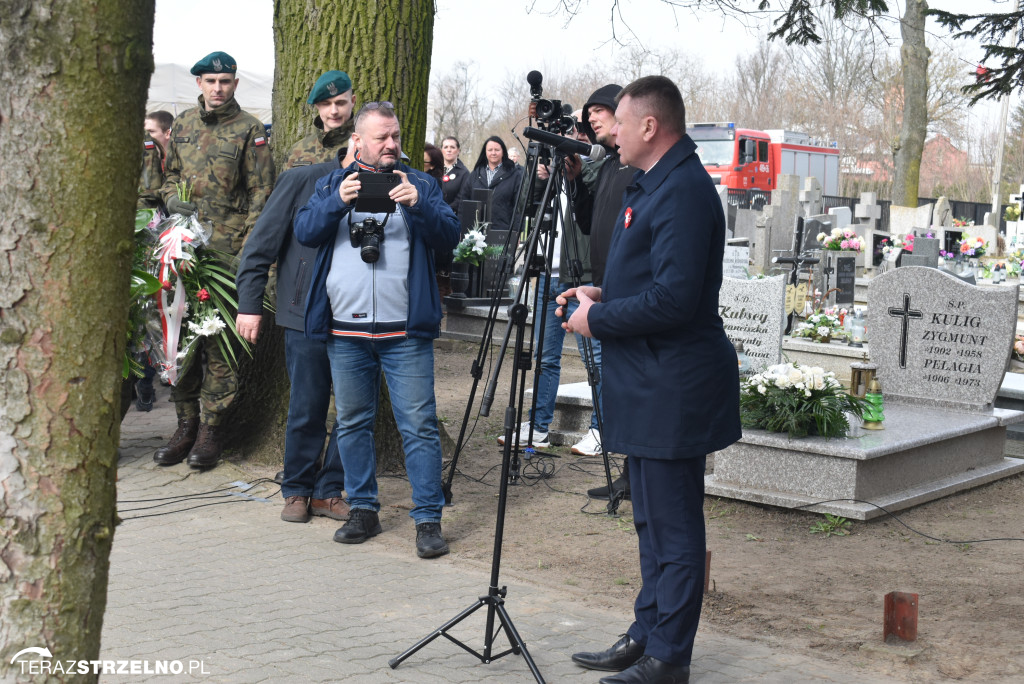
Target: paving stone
258 600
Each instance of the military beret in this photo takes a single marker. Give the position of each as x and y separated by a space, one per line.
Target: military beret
331 84
215 63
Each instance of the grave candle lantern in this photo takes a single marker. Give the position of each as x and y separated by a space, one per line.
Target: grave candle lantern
873 415
861 375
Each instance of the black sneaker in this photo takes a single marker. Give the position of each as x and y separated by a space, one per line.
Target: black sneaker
430 542
362 524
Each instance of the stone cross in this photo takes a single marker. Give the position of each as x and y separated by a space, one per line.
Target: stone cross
868 211
907 313
810 196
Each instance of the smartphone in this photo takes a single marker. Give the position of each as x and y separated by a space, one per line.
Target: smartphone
374 192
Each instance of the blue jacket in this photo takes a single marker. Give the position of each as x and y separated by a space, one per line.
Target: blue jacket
671 380
432 226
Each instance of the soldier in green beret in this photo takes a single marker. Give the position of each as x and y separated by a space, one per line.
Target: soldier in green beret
332 96
222 152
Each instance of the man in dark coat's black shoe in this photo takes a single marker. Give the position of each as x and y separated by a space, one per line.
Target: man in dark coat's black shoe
621 655
650 670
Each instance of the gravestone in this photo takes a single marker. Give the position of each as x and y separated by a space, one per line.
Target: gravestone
729 211
939 341
941 348
904 220
868 215
814 226
926 253
868 212
989 234
735 261
782 213
841 217
470 213
942 213
846 281
751 312
810 196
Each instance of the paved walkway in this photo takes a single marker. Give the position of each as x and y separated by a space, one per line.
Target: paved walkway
215 581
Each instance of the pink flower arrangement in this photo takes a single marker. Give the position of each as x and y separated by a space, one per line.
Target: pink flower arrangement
841 239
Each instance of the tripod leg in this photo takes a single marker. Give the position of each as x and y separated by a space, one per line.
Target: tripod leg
441 631
517 641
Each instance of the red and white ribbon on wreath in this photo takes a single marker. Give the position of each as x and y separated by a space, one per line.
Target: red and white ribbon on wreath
170 251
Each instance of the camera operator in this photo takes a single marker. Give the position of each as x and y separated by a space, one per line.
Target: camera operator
598 205
572 250
378 308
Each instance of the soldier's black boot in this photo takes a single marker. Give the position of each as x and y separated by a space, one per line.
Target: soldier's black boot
181 441
206 451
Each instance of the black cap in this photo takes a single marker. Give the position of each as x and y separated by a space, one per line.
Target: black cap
605 95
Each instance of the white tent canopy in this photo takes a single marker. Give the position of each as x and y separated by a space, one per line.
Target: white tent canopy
174 89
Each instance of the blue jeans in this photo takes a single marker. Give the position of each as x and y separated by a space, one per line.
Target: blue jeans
551 356
408 365
309 371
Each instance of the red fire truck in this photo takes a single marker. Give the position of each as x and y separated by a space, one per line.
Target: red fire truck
745 159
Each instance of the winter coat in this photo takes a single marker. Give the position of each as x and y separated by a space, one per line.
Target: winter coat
505 188
671 382
432 226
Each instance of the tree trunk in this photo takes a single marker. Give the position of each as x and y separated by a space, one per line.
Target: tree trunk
385 47
73 80
914 55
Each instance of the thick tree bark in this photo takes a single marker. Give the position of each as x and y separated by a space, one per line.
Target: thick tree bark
73 80
914 55
385 46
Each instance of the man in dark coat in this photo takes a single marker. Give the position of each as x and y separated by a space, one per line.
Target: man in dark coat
670 373
307 488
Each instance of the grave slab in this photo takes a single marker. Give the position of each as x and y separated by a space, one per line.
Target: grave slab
941 347
752 312
932 453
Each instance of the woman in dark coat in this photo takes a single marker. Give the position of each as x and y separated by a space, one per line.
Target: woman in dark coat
496 172
433 163
454 173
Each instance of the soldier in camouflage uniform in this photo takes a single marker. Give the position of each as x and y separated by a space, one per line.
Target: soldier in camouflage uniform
151 178
223 153
332 96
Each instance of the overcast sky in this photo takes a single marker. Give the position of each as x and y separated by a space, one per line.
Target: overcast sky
514 36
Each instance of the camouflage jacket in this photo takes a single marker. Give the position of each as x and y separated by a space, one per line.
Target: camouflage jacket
320 146
151 178
225 156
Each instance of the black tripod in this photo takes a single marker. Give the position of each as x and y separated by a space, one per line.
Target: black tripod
494 600
537 254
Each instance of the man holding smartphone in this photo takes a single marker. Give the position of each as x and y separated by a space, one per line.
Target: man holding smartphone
374 300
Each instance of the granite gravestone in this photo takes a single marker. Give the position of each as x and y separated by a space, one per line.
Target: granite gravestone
846 281
926 253
937 340
751 311
735 261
